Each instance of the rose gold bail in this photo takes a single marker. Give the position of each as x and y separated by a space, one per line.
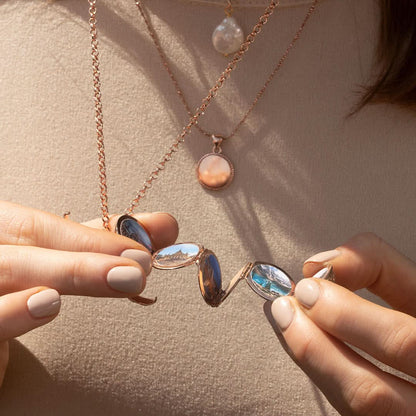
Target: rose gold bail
217 141
228 9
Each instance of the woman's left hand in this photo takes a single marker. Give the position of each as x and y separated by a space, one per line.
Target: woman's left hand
323 319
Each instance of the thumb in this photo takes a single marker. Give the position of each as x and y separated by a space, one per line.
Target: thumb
367 261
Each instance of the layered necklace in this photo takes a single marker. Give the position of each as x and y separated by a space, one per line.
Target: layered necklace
215 171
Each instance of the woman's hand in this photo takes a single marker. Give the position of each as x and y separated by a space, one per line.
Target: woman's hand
43 256
320 322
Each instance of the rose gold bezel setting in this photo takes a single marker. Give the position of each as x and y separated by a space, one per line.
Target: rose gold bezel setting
229 180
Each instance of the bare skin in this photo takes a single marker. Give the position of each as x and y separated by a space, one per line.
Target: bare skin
44 254
323 319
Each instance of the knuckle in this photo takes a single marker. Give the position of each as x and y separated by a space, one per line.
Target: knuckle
367 240
74 280
5 270
4 335
370 397
400 343
21 229
304 350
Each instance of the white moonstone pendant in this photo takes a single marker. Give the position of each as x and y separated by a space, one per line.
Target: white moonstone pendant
215 171
228 36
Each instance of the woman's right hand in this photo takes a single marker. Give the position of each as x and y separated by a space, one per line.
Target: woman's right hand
43 256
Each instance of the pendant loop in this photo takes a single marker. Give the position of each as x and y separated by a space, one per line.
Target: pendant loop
229 9
217 141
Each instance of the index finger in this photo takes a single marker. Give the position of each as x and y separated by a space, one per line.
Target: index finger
30 227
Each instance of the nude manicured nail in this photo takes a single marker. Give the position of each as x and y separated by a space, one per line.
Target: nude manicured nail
44 303
141 257
126 279
282 312
324 256
307 292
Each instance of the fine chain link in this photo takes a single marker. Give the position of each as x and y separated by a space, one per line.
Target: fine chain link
98 115
239 4
165 63
178 89
186 130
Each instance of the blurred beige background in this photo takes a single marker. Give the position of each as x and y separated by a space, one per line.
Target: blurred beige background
307 178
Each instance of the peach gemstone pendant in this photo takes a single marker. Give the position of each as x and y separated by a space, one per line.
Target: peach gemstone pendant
214 170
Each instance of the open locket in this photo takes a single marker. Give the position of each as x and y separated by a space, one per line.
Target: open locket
267 280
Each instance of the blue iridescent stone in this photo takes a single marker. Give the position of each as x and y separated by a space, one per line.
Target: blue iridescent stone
131 228
270 281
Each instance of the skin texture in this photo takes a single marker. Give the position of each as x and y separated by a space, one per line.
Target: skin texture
323 317
42 251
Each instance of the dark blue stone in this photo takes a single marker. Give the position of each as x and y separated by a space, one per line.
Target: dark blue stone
131 228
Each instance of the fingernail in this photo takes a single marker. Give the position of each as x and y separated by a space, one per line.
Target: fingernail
141 257
282 312
44 303
126 279
324 256
307 292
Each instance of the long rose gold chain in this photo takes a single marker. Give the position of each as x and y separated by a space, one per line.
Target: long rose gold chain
179 91
98 115
174 147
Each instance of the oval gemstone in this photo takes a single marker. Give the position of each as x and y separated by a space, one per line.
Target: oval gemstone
227 36
176 256
215 171
269 281
131 228
209 277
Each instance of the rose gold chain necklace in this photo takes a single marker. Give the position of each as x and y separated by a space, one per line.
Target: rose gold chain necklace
214 170
174 147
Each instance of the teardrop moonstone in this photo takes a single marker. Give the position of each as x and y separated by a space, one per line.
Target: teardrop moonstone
227 36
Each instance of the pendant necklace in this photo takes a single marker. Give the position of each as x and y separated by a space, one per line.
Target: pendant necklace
174 147
228 35
214 170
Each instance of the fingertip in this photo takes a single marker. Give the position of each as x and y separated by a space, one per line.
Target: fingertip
45 303
141 257
127 279
307 292
282 312
162 227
